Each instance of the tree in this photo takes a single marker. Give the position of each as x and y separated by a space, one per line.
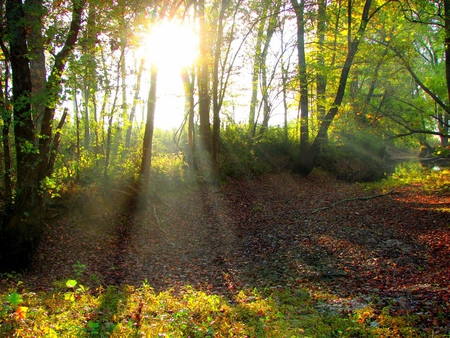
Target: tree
299 8
6 116
431 16
203 81
144 174
22 230
307 160
267 22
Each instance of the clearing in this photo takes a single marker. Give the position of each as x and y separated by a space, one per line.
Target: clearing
270 232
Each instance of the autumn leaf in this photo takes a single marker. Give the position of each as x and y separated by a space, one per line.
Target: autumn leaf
21 313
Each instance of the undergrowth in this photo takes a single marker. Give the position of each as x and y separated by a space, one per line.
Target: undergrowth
71 310
433 180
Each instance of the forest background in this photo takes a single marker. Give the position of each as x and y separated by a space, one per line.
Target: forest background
348 80
188 168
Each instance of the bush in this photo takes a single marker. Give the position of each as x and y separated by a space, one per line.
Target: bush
356 158
244 156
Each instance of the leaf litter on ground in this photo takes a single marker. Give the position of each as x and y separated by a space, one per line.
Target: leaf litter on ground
391 252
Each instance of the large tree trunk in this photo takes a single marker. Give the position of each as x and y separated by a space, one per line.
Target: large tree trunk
21 232
307 161
33 14
144 175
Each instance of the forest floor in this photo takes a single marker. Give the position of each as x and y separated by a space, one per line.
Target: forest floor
270 232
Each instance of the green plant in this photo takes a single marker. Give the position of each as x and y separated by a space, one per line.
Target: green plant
130 312
429 180
78 269
442 152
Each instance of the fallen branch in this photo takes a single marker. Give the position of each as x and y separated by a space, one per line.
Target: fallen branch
364 198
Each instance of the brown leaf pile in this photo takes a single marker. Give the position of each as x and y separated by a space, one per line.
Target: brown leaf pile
263 233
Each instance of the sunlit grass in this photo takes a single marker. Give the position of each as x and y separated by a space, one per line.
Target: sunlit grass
430 180
70 310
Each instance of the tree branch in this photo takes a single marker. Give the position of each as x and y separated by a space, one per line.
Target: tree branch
364 198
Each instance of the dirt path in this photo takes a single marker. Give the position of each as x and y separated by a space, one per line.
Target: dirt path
262 233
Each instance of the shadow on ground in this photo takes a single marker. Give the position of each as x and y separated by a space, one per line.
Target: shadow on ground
262 233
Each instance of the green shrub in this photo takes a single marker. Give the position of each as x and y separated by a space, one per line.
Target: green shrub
412 173
355 158
244 156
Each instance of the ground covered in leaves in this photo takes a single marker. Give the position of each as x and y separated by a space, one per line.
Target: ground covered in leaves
390 251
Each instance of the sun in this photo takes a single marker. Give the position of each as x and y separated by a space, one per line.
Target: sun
171 46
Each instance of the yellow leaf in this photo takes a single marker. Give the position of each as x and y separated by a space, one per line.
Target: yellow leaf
21 312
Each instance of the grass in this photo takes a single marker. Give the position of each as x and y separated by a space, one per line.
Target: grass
429 180
70 310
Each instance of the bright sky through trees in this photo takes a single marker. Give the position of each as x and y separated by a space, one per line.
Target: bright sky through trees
171 47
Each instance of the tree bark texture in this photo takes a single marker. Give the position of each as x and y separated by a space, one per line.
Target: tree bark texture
21 231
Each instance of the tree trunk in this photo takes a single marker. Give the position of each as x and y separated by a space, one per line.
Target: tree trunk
144 175
304 100
267 108
33 14
53 89
77 126
188 85
21 232
203 82
90 74
6 115
137 90
321 77
108 144
256 71
216 97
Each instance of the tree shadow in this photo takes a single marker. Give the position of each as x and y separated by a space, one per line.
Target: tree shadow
262 234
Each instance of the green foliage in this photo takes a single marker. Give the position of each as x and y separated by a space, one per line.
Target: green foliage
434 180
51 187
71 283
167 169
14 299
442 152
128 312
28 147
78 269
243 156
355 157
